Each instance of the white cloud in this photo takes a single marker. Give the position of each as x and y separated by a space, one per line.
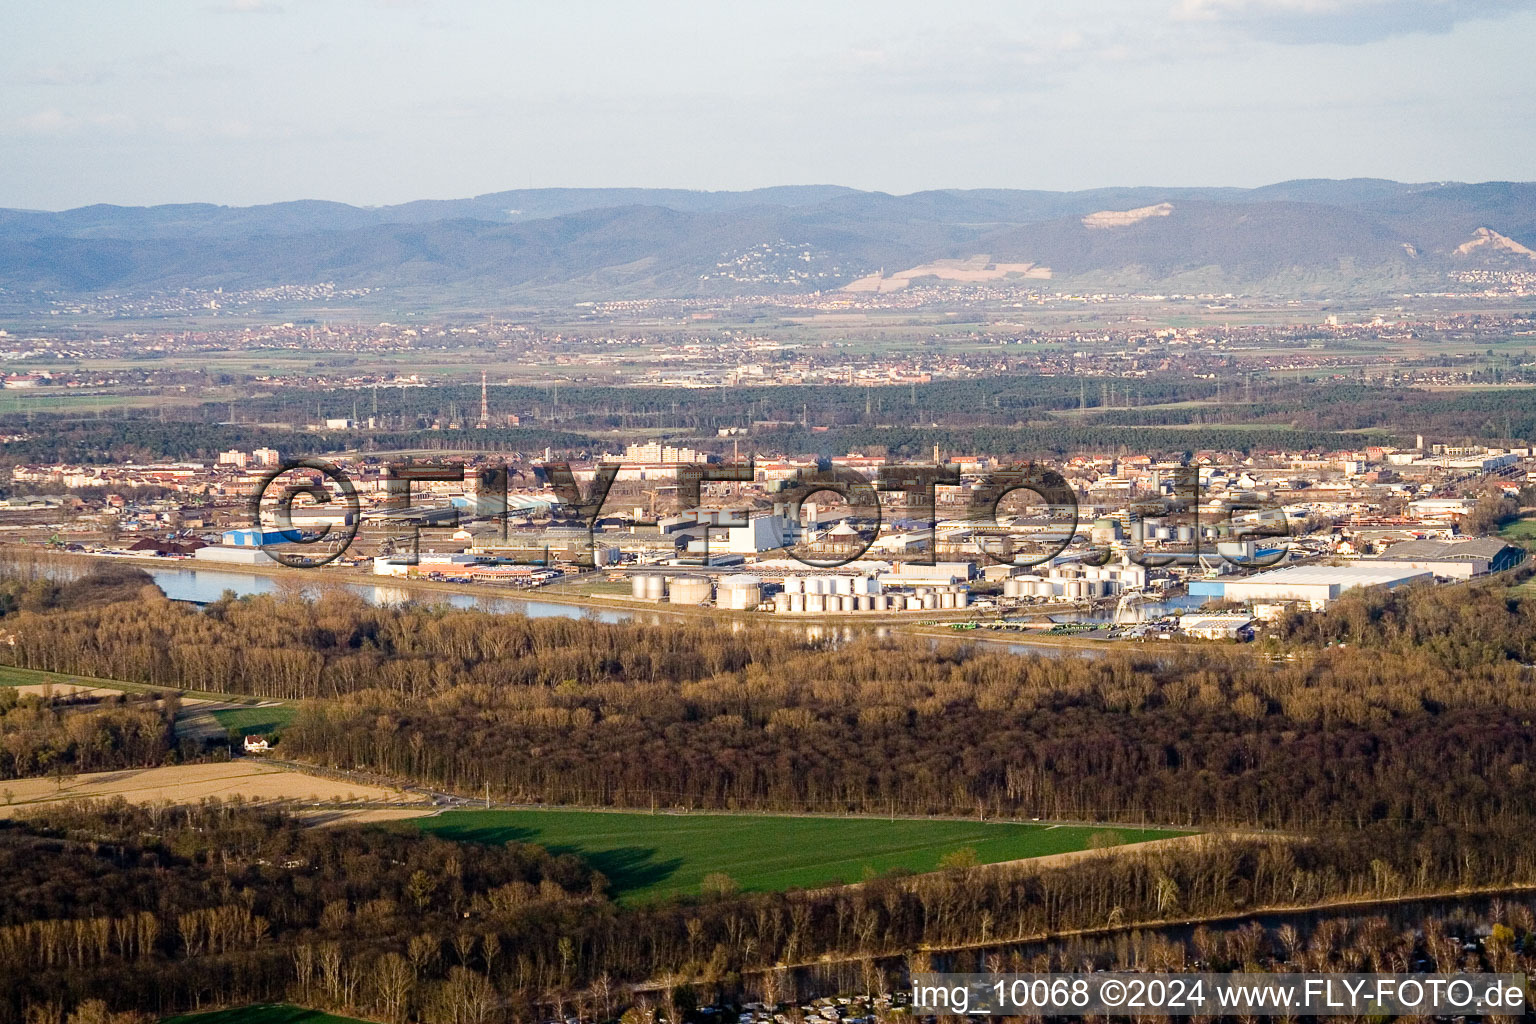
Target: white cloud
1341 21
249 7
53 121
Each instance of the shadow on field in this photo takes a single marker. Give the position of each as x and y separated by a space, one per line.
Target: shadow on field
629 869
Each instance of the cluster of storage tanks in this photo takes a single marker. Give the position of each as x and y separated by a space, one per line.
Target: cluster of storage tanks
865 596
813 595
1142 531
1077 582
1024 587
737 593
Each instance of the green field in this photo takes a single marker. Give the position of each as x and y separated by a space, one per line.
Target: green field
262 1013
1521 531
255 721
646 856
12 676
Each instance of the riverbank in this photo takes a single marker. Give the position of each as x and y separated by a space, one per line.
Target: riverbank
917 623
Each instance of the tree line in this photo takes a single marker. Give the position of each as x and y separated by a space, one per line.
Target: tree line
41 736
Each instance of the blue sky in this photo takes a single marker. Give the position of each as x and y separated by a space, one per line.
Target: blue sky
383 101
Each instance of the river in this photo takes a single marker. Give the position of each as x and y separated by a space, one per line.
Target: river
205 585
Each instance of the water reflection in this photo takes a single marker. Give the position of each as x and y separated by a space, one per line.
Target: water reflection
203 586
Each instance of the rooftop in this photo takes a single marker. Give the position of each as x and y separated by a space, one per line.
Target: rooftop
1357 574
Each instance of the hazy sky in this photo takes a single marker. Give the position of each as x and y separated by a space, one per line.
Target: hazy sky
382 101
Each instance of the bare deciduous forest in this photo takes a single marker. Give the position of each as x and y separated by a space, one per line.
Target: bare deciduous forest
1396 767
1424 716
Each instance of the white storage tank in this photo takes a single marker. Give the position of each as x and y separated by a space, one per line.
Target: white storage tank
740 593
690 590
650 586
797 602
781 603
815 602
963 599
794 584
947 599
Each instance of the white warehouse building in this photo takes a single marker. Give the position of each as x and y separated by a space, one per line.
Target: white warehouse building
1318 585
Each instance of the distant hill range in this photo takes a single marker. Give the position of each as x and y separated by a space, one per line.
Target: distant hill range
1315 237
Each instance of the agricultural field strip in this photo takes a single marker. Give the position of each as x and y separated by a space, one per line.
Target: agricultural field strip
250 779
765 852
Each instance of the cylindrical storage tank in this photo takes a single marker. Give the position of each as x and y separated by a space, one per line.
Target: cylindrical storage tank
866 603
655 587
1045 588
794 584
947 599
882 602
815 602
781 602
690 590
1186 534
930 601
797 602
1010 588
740 593
1162 533
963 599
637 586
